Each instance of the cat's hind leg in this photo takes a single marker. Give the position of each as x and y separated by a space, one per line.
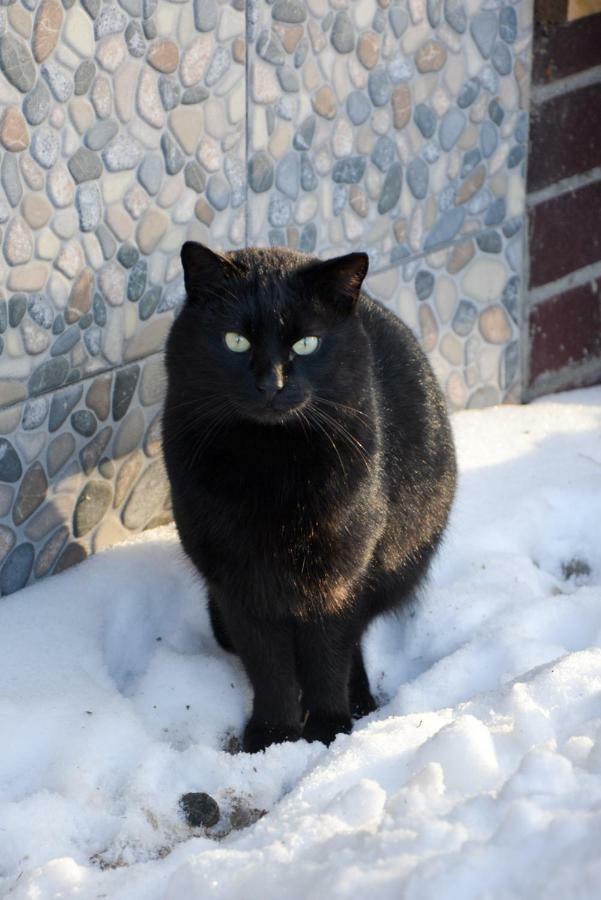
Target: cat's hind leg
361 701
218 626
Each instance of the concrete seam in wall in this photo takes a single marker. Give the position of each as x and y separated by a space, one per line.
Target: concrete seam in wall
541 93
565 186
575 279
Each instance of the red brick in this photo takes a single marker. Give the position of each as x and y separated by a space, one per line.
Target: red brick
565 330
561 50
565 137
564 234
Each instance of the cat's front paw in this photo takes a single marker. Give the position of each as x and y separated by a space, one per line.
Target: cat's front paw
325 728
259 735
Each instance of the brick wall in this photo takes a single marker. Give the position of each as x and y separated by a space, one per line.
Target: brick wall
563 301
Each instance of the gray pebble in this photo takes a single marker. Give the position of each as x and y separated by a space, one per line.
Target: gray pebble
510 297
464 318
470 161
205 15
288 79
218 66
66 341
136 283
484 31
287 175
339 198
85 165
269 47
89 207
11 179
49 375
123 390
194 94
521 129
456 16
303 137
308 177
417 178
110 21
501 58
308 238
34 413
128 255
63 402
174 295
384 153
10 464
379 86
194 177
424 284
509 364
260 172
100 133
44 147
134 39
149 303
451 128
495 212
59 81
84 76
358 107
40 311
99 310
445 229
516 155
292 12
349 170
489 79
16 62
16 569
434 12
84 422
391 189
468 93
425 119
490 242
150 29
169 91
279 211
300 54
399 69
495 111
36 104
399 20
513 253
92 7
488 139
150 173
218 192
174 159
508 24
343 33
430 152
93 340
17 307
106 241
58 326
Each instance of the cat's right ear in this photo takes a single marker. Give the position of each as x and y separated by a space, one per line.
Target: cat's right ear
204 270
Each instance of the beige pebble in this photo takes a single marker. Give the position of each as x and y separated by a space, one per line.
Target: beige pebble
164 56
431 57
494 325
13 131
324 102
48 21
151 229
36 210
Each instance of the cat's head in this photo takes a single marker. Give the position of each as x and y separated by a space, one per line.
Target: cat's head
270 332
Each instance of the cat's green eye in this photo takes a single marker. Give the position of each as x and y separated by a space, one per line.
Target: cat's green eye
236 342
306 345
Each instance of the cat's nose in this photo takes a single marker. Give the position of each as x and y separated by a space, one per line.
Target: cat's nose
271 383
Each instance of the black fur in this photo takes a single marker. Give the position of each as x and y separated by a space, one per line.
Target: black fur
310 491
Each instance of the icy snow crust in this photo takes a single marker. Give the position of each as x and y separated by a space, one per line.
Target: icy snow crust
480 776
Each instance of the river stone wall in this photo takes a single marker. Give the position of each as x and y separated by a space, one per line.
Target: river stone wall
126 128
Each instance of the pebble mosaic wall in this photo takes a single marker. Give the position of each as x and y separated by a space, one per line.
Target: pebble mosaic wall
128 127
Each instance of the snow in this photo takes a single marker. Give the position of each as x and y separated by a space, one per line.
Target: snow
479 776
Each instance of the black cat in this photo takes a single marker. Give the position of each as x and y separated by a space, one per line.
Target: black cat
312 470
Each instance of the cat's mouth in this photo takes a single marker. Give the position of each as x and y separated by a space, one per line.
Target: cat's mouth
277 413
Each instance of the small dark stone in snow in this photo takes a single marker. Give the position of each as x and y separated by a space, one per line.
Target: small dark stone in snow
199 809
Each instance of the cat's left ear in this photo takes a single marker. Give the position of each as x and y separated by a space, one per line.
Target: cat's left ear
204 270
338 280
